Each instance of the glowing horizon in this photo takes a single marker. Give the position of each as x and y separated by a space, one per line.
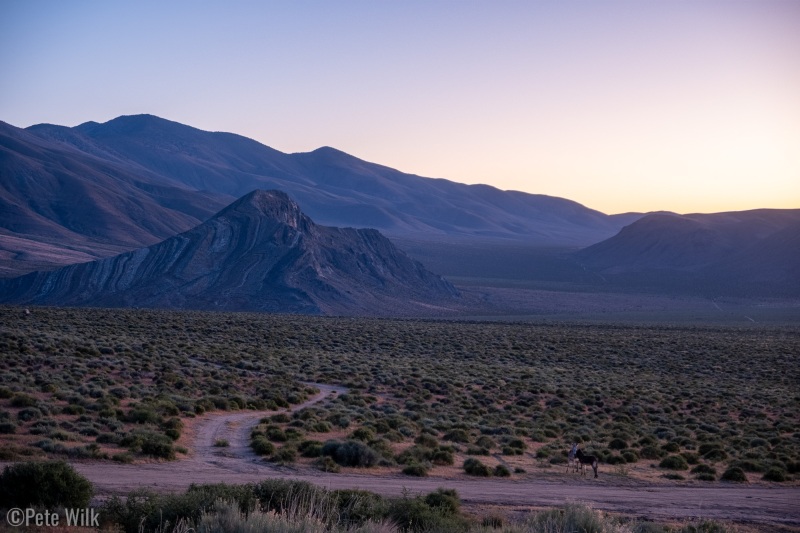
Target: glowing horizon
624 106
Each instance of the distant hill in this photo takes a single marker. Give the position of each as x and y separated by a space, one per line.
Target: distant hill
261 253
742 253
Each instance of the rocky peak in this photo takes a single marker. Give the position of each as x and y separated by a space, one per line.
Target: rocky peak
271 205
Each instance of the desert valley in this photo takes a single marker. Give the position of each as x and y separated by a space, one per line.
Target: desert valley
201 326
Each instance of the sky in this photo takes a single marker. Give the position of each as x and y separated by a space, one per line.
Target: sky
686 106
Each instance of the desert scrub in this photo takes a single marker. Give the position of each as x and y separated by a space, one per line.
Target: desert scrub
46 484
410 378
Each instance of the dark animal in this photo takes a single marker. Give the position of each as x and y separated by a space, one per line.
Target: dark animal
584 459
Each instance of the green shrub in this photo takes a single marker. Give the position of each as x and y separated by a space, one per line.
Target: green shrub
415 515
28 414
715 454
442 457
416 469
285 454
445 499
48 484
674 462
261 446
327 464
427 440
704 469
502 471
735 475
21 399
221 443
363 434
351 453
457 435
474 467
617 444
158 446
630 456
310 448
650 452
775 474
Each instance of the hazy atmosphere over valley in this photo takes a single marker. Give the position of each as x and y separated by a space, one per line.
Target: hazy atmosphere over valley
400 266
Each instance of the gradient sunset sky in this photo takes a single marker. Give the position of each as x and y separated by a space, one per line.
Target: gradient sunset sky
688 106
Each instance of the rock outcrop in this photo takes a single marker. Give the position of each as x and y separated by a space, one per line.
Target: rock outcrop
260 253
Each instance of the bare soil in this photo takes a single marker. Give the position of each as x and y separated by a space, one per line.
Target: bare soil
765 506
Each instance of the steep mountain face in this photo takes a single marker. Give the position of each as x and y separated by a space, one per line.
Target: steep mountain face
261 253
335 188
60 204
739 253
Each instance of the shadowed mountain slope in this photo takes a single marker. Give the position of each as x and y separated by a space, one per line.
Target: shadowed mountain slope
335 188
60 204
739 253
261 253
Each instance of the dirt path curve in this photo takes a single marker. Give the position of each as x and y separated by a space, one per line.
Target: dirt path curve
762 505
235 428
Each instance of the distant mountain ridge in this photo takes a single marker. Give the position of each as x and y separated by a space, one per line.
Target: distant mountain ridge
742 253
261 253
334 187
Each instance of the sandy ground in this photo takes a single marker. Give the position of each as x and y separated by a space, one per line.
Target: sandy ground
762 506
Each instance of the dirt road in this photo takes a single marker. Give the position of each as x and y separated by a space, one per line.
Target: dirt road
206 463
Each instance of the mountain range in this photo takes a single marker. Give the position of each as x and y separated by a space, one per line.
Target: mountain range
261 253
96 189
76 194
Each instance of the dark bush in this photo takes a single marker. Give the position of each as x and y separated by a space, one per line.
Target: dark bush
715 454
415 515
442 457
416 469
775 474
327 464
735 475
704 469
159 446
651 452
262 446
143 510
445 499
474 467
28 414
363 434
502 471
7 428
310 448
674 462
671 447
426 440
21 399
351 453
457 435
49 485
617 444
285 454
630 456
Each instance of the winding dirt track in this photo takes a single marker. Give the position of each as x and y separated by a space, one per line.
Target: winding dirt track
760 505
